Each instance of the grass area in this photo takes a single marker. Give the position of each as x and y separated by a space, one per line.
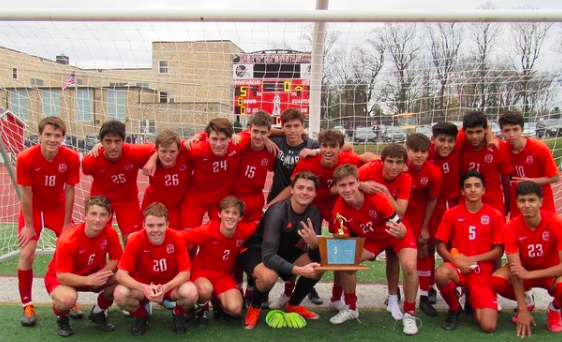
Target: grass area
375 325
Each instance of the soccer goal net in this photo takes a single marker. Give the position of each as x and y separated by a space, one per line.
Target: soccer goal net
376 78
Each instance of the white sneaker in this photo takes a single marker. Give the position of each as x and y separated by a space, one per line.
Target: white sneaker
409 323
338 305
394 309
344 315
530 300
280 303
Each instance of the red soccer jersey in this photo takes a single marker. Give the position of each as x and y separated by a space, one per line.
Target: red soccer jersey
399 187
79 254
169 185
472 233
369 221
117 180
539 248
534 161
148 263
450 167
324 199
252 172
47 178
213 176
426 184
491 163
217 252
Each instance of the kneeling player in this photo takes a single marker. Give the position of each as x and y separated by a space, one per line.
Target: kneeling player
80 264
154 267
474 230
372 217
533 245
220 242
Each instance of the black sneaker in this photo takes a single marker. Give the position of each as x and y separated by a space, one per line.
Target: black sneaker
452 320
426 307
432 295
100 319
202 317
314 297
180 324
75 312
139 326
29 316
63 327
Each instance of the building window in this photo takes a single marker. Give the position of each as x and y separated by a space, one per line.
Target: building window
163 97
37 82
163 67
15 73
19 103
117 104
50 99
84 108
143 84
148 126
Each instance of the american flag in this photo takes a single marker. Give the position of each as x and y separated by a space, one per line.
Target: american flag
70 81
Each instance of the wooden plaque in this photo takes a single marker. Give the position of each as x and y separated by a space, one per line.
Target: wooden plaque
341 253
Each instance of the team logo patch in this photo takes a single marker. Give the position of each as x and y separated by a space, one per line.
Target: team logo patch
489 158
129 167
373 213
62 167
183 167
424 181
529 160
264 162
170 248
290 225
103 244
485 219
239 242
545 236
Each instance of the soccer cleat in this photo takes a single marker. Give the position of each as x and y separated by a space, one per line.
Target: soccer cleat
29 316
452 320
280 303
314 297
394 309
63 327
554 321
100 319
248 297
426 307
139 326
75 312
252 317
344 315
202 317
301 310
409 324
432 295
179 323
338 305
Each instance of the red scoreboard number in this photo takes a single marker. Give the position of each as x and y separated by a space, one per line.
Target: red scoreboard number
272 96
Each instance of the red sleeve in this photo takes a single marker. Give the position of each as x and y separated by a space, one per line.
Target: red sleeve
497 229
245 140
366 172
141 153
65 260
351 158
445 227
510 237
460 141
23 171
404 187
74 170
384 207
505 160
128 260
196 236
301 166
436 180
88 164
557 229
181 254
115 250
548 164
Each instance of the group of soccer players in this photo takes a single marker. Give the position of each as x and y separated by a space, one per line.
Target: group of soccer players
451 194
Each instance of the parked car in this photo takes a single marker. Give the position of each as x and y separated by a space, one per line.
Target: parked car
496 130
425 130
541 128
553 127
73 142
90 141
365 135
530 129
394 134
31 141
341 129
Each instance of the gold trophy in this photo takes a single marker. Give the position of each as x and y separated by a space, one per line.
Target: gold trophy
341 229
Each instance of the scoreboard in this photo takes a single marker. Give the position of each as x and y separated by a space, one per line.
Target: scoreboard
272 81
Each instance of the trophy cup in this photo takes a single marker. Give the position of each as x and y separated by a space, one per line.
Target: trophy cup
340 252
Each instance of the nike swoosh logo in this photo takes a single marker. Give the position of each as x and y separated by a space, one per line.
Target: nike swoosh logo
462 219
103 170
147 251
81 251
522 238
39 168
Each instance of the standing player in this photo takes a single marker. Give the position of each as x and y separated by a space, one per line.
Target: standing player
220 242
170 180
373 217
426 185
531 158
492 162
284 245
115 170
533 245
80 264
46 174
155 267
474 229
387 176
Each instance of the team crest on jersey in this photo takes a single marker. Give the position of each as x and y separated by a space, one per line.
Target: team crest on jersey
264 162
545 236
485 219
239 242
489 158
170 248
103 244
373 213
183 167
424 181
62 167
529 160
129 167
